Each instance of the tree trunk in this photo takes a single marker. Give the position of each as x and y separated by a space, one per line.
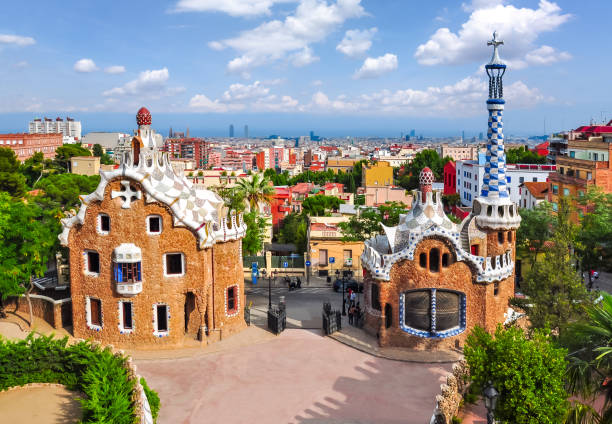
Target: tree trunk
30 302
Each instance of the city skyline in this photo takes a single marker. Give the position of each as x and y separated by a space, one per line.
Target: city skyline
345 67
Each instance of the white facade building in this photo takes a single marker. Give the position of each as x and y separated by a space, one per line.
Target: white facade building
470 174
69 128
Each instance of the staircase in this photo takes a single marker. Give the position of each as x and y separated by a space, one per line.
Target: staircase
464 237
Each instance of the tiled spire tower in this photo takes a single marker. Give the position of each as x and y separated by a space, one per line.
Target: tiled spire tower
493 207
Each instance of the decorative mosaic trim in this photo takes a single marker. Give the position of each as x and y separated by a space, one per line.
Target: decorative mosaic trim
237 300
380 265
99 224
88 314
367 298
123 330
156 333
433 334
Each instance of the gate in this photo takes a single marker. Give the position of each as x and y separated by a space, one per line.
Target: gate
277 319
332 320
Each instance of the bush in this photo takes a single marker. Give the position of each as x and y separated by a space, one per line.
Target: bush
98 373
152 397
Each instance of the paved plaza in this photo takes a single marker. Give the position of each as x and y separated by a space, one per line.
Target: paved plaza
297 377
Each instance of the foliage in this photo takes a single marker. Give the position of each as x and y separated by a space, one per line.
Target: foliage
67 151
359 200
319 205
11 180
350 180
99 374
595 233
233 199
252 243
367 224
425 158
64 189
294 230
522 155
97 150
536 228
450 200
590 362
527 373
554 289
35 167
453 218
152 397
256 190
26 244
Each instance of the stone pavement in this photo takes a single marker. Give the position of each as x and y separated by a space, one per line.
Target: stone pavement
296 377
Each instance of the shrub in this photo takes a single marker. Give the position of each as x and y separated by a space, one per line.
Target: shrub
98 373
152 397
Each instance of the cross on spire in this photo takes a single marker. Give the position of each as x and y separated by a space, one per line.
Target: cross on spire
495 43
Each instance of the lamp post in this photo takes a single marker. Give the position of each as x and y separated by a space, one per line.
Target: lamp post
343 293
490 398
270 277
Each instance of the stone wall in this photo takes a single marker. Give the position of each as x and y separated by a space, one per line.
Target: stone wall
457 383
43 307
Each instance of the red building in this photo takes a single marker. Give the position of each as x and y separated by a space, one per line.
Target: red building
450 178
189 148
541 149
280 206
25 145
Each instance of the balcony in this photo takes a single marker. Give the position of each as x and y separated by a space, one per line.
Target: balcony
129 289
567 180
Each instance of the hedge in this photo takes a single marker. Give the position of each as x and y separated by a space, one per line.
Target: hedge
98 373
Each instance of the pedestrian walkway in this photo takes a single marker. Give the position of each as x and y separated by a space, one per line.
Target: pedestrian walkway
357 338
283 290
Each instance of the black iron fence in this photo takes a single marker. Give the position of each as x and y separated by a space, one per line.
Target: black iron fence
247 261
277 319
332 319
290 261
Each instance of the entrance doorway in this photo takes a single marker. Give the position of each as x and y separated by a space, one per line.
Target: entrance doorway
190 306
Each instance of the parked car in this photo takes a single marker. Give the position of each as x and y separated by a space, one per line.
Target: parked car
348 284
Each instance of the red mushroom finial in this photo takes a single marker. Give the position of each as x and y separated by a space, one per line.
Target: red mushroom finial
426 179
143 117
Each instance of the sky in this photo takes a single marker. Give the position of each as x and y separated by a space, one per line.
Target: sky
337 67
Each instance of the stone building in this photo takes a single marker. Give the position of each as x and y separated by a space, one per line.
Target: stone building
152 262
428 281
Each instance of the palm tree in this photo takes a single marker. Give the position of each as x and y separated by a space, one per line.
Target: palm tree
589 374
256 190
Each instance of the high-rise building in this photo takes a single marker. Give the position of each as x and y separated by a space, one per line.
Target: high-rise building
412 133
480 136
246 131
69 128
231 131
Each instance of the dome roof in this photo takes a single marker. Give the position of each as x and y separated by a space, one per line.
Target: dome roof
143 117
426 177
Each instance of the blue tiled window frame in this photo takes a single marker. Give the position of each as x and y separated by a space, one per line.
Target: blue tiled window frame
433 334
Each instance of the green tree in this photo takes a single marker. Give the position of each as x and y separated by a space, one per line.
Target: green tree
97 150
425 158
352 187
233 198
252 243
256 190
450 200
367 224
527 373
63 190
319 205
11 181
25 247
522 155
294 229
536 229
595 233
67 151
553 286
590 362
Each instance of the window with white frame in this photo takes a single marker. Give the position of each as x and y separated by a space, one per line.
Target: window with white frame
161 319
92 262
103 223
154 224
93 311
174 265
126 317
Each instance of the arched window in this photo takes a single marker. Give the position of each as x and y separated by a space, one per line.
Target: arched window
500 237
510 236
423 260
434 260
375 294
445 260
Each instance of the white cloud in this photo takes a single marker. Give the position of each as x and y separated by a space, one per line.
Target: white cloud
241 92
231 7
116 69
85 65
546 55
355 42
21 65
519 27
149 84
317 83
203 104
17 40
375 67
303 57
312 22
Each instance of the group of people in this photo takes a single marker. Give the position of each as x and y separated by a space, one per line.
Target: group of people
354 309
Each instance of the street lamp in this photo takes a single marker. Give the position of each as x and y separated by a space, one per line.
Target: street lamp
270 277
343 293
490 398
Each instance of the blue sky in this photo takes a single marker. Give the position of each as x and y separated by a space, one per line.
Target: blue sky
339 67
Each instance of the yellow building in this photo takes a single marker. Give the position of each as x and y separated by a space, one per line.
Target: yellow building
377 174
341 164
325 242
85 165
